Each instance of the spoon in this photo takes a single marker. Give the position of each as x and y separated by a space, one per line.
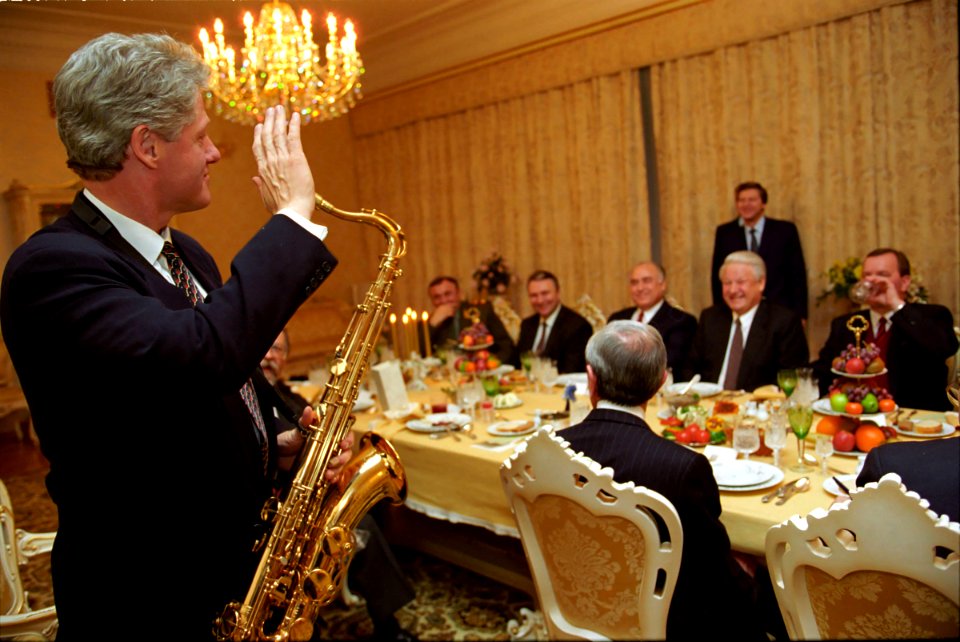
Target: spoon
690 384
802 486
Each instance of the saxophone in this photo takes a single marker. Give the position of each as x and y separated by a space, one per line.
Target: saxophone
304 561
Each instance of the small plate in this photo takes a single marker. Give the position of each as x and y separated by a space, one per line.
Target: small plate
741 473
575 378
511 428
858 376
776 478
363 403
850 453
831 486
474 348
515 404
501 370
438 422
401 413
702 388
823 407
945 429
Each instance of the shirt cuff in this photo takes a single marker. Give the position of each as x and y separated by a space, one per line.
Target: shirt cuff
317 230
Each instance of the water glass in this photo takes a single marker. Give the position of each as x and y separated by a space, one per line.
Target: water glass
861 291
787 380
468 395
746 438
824 449
775 436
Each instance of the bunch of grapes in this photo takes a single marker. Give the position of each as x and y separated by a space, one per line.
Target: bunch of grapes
868 353
856 392
478 333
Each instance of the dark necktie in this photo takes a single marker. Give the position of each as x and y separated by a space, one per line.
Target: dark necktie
753 240
542 343
183 280
736 354
881 327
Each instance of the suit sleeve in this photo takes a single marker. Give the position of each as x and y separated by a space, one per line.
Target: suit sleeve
718 256
796 275
693 363
929 329
504 344
795 352
835 343
574 354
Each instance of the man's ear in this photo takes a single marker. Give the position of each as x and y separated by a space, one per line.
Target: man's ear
144 146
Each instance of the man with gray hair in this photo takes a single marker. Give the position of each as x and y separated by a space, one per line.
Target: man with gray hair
161 454
626 365
742 343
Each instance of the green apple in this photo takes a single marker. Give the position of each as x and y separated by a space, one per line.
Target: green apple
838 402
870 403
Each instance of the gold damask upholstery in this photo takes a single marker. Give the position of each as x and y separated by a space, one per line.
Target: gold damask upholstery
590 311
879 567
507 315
604 556
17 621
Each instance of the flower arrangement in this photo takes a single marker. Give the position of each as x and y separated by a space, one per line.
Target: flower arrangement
493 275
843 275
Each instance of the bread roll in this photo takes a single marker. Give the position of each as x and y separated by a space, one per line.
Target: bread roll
927 427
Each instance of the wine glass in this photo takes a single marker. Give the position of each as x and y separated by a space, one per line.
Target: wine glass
746 438
800 416
468 395
824 449
491 385
526 362
775 436
787 380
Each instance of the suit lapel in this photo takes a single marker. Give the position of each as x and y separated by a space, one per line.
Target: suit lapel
756 338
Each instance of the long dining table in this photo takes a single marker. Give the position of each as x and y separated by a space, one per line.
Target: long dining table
455 478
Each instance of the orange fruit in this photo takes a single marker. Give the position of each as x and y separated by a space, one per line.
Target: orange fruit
887 405
869 437
830 424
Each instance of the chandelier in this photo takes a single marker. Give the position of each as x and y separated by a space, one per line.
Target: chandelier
282 66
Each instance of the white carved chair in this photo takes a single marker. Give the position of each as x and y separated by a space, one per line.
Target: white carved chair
881 566
604 555
17 621
590 311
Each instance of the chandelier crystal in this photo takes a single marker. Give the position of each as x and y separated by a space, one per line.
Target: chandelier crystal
281 65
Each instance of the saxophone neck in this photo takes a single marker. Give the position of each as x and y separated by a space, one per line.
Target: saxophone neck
397 244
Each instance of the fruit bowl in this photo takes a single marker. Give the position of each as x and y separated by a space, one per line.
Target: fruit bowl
475 347
865 375
823 407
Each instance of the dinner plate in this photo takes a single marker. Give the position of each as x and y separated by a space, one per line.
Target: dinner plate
850 453
438 422
847 480
702 388
823 407
507 405
575 378
511 428
858 376
776 478
945 429
743 472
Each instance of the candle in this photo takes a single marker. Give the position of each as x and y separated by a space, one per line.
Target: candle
404 337
394 337
426 335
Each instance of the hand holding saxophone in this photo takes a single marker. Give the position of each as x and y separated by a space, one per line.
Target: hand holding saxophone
290 442
284 177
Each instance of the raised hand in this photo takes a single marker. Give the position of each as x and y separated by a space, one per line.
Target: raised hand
284 177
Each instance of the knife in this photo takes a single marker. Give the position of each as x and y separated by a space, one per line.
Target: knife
779 492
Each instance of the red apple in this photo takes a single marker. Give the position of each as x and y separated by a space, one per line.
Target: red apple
844 441
856 365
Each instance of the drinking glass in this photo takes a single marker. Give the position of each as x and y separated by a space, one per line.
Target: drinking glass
526 361
468 395
861 291
746 438
787 380
491 385
800 417
824 449
775 436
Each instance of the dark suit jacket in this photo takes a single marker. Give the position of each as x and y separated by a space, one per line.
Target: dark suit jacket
449 330
781 251
675 326
776 341
930 468
566 343
709 577
921 341
135 397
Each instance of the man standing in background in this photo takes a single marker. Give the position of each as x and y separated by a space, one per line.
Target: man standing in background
776 241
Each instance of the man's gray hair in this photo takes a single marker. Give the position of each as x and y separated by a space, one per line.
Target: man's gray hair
746 257
117 82
628 359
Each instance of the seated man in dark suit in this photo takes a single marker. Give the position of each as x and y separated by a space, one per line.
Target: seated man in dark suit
648 286
374 573
553 331
451 315
930 468
915 340
626 364
742 343
776 241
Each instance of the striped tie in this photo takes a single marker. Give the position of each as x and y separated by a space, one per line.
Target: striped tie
183 280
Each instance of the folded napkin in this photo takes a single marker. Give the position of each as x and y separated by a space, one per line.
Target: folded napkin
719 454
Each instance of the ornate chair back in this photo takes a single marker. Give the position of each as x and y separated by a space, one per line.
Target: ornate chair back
879 567
604 555
590 311
17 620
508 316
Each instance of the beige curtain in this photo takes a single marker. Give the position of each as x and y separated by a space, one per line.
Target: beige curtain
853 128
554 180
